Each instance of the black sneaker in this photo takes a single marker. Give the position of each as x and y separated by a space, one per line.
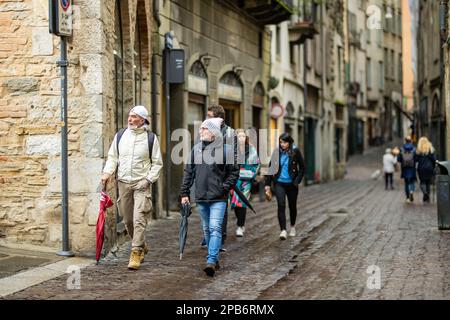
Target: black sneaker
210 269
223 250
411 197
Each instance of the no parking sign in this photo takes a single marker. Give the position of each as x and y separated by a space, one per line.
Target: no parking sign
60 17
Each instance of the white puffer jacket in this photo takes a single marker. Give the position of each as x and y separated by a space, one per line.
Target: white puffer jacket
133 160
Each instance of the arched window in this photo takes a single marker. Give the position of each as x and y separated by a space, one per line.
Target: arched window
436 108
198 90
289 121
290 110
230 97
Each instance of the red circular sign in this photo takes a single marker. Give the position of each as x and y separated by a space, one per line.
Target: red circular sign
277 110
65 4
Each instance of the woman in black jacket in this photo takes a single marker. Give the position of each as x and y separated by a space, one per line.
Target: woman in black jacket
425 159
286 172
213 181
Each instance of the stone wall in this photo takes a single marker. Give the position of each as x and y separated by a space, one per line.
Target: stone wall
30 164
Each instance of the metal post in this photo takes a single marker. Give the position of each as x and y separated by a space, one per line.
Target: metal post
168 162
154 86
305 78
63 63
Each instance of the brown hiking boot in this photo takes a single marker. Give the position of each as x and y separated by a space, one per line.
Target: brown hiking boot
135 259
144 252
210 269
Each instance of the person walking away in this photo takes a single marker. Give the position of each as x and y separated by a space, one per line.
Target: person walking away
389 162
425 158
135 154
229 137
248 161
408 163
286 171
213 181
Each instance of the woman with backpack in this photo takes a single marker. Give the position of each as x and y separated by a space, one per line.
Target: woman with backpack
407 160
425 159
286 171
249 164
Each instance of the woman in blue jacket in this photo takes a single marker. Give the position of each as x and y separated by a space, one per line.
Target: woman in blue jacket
407 158
286 172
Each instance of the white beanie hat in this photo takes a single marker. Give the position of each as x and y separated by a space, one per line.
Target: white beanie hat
213 125
142 112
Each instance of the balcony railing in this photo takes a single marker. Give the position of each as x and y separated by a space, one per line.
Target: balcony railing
305 26
265 12
307 11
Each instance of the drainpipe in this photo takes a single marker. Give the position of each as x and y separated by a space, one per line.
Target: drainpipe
445 42
154 93
322 42
156 12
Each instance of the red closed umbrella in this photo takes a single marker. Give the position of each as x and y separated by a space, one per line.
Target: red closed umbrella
105 202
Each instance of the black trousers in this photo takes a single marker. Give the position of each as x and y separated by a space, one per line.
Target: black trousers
425 187
291 191
389 179
240 215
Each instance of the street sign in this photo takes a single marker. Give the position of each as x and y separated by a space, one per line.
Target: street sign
277 110
60 17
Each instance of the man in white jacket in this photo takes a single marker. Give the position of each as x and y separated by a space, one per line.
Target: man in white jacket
389 162
136 171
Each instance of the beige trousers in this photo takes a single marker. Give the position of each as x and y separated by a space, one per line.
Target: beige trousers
135 207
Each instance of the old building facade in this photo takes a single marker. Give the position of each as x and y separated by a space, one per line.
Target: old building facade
430 108
224 65
392 117
109 71
115 62
308 61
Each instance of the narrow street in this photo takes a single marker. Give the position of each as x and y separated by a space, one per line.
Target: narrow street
344 227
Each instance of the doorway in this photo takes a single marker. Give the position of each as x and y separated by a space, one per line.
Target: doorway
232 113
310 150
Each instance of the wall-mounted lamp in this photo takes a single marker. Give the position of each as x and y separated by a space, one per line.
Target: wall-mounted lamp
205 59
238 70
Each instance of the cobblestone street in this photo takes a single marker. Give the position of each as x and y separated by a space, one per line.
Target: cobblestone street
344 227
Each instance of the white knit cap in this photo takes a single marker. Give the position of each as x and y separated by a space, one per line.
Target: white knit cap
142 112
213 125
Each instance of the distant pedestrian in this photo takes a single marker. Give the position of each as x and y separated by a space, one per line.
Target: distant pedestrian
389 162
248 161
213 181
425 159
136 155
407 159
286 172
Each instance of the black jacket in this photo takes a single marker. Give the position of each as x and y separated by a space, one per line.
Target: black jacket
212 181
425 165
296 166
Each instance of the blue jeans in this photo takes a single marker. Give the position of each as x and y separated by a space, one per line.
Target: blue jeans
410 186
212 216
